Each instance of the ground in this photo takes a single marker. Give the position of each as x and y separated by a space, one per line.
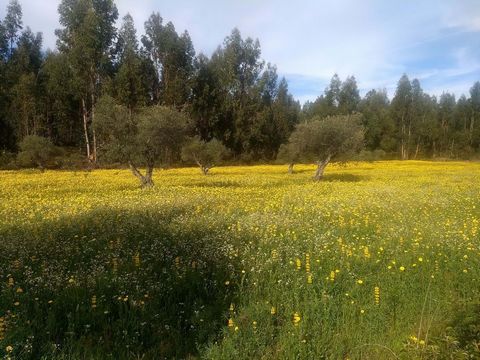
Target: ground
379 260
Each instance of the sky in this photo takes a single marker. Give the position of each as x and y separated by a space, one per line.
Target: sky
436 41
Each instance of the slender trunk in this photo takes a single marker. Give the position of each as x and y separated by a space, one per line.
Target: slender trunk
321 165
290 168
471 130
417 149
205 170
92 111
85 128
145 180
451 148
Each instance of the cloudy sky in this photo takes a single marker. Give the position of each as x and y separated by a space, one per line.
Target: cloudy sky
436 41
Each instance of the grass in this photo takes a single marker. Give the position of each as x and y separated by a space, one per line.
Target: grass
378 261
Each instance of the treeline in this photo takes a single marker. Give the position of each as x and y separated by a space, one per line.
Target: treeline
233 96
413 124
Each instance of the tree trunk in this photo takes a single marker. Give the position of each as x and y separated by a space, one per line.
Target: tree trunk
290 168
205 170
321 165
145 181
92 111
417 150
85 128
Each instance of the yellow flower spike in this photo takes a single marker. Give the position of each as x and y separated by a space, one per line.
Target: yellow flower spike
309 279
296 318
19 290
376 292
115 265
332 275
273 310
359 281
232 307
9 349
230 322
298 263
136 259
11 282
402 268
94 301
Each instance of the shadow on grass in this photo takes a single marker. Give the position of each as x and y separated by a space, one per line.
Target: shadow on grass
115 284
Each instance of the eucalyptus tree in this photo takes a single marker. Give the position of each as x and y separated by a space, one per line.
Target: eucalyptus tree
13 23
401 112
87 37
130 88
173 58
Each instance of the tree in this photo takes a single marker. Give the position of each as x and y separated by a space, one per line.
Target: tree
86 37
205 154
36 150
378 124
474 132
152 136
401 111
349 96
13 23
129 87
289 153
173 58
324 140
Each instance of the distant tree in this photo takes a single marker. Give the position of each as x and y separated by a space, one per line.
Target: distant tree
86 37
36 150
401 112
474 131
205 154
379 126
13 23
60 101
151 137
129 85
173 58
332 95
324 140
349 96
291 154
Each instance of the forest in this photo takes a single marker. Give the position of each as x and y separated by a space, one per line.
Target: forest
233 96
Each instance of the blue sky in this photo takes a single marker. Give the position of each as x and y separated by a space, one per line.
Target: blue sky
437 41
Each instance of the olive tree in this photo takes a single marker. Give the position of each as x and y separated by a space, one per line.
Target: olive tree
205 154
36 151
323 140
151 137
290 154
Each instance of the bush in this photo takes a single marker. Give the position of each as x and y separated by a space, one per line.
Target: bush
37 151
205 154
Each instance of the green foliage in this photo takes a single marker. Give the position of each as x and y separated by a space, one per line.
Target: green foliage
206 154
36 151
334 137
151 137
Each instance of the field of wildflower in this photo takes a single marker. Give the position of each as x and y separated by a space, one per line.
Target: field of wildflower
377 261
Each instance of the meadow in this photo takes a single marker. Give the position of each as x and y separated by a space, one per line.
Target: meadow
377 261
